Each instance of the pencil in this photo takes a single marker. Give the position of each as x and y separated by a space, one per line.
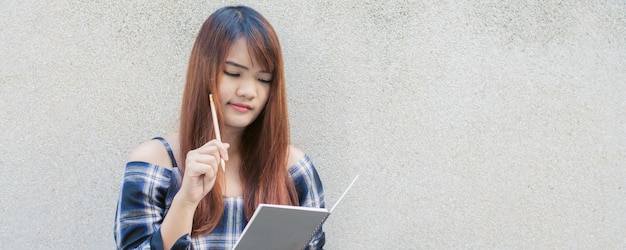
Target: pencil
216 126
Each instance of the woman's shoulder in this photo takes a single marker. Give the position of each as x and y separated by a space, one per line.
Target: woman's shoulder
305 179
154 152
295 155
299 164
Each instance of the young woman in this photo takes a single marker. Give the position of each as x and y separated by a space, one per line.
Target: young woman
175 194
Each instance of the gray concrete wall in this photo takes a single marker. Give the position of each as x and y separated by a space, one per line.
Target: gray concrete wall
484 124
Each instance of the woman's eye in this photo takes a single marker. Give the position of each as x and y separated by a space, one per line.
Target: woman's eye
265 81
231 74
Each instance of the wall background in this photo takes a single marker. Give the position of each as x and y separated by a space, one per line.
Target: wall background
487 124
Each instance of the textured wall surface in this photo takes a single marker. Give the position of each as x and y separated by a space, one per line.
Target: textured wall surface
486 124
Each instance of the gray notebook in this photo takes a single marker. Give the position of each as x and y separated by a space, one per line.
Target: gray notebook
279 227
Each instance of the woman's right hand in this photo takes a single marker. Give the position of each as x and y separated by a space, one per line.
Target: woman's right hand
201 167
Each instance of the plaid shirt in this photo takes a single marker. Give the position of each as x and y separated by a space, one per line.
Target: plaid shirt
148 191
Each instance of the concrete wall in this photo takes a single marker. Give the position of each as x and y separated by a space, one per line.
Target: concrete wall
485 124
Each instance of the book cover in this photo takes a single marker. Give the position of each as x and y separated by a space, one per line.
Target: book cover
278 227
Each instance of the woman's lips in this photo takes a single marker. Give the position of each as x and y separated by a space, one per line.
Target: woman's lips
240 107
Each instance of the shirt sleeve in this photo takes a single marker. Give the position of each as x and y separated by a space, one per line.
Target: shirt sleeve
146 194
310 193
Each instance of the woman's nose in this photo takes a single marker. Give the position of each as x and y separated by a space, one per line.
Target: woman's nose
247 88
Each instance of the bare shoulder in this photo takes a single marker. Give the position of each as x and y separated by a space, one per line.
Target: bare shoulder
295 154
153 152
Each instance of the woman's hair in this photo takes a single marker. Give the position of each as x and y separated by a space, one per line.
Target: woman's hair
265 142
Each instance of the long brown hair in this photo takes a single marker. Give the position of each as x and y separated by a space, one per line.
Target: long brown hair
265 142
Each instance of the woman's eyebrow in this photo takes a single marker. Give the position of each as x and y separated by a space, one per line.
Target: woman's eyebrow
244 67
237 65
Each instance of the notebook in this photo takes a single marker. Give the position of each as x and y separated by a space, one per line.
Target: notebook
279 227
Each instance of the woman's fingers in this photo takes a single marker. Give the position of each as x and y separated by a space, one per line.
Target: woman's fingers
206 159
215 146
212 153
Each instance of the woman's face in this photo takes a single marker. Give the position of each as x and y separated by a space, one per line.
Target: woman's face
244 87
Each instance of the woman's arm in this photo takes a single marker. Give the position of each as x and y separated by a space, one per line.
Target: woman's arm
144 198
177 223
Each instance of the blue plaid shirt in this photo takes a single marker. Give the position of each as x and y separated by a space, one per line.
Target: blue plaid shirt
148 191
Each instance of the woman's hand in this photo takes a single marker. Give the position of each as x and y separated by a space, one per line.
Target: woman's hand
201 167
